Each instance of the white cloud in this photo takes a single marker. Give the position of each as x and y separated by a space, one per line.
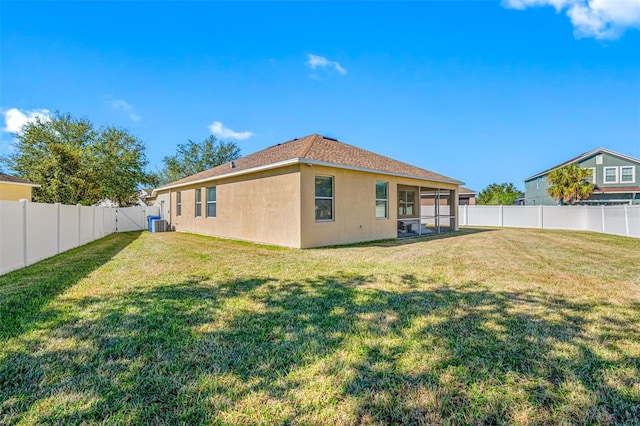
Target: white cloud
601 19
14 119
124 106
316 61
218 129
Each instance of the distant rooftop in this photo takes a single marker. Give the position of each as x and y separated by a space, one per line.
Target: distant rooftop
12 179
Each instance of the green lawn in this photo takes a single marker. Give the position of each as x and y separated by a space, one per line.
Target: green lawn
481 326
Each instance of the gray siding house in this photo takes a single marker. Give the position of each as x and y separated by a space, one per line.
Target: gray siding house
616 176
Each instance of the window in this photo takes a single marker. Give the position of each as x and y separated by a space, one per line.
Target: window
406 202
591 179
627 174
382 200
610 175
211 202
198 202
324 198
179 202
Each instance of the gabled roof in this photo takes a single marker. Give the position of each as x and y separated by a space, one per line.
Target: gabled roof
466 191
313 149
4 178
585 156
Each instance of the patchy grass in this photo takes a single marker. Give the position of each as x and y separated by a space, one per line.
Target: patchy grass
483 327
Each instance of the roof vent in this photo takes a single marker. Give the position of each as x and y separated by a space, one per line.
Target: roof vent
233 165
329 139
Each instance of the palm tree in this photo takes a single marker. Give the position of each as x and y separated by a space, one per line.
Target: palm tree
569 184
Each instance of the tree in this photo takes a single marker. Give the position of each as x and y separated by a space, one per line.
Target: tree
495 194
193 157
76 164
569 183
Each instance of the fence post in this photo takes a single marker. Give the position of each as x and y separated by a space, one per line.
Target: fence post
501 216
79 224
626 221
541 209
25 253
466 214
58 232
93 223
602 215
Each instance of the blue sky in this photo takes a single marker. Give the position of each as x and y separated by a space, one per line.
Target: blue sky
482 91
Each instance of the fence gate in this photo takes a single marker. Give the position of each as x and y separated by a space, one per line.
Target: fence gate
134 218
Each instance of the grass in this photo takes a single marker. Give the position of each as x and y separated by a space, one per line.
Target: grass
479 327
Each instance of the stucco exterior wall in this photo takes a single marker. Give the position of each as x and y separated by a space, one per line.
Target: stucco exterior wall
13 192
354 206
262 207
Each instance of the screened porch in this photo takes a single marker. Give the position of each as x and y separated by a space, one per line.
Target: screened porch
424 210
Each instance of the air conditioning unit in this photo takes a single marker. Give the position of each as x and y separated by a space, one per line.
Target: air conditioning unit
159 225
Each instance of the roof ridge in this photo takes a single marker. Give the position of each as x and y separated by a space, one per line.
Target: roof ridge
308 145
583 156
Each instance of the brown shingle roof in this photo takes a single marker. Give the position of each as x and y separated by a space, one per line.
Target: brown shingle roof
13 179
317 148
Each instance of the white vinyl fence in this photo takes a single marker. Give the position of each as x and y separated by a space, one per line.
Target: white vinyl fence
30 232
618 220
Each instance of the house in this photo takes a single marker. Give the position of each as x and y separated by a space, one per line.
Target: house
467 197
142 198
310 192
615 176
15 189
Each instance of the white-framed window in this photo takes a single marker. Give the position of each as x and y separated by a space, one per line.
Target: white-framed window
610 175
179 203
382 200
211 202
324 198
406 203
627 174
593 177
198 202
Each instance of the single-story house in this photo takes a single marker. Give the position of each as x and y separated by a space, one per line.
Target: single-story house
15 189
310 192
467 197
616 177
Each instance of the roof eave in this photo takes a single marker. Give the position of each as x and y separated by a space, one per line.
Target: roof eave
582 157
380 172
33 185
300 161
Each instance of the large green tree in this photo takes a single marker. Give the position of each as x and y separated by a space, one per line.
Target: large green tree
570 183
496 194
75 163
192 157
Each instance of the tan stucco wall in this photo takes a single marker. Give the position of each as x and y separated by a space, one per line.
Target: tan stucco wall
354 206
12 192
262 207
278 207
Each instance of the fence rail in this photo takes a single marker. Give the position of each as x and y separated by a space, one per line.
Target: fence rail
617 220
30 232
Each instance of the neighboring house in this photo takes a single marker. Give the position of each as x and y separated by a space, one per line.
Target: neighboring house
615 175
467 197
14 189
140 200
310 192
